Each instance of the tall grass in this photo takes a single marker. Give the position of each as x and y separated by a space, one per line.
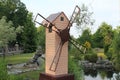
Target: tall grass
3 70
4 74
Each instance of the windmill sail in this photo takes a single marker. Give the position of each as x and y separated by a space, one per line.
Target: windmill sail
56 58
50 26
75 13
79 46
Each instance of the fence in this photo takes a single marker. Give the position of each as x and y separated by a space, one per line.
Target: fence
11 50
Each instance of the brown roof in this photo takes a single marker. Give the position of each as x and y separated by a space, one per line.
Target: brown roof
52 17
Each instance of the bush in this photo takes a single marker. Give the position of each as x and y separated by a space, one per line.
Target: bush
3 70
4 74
73 68
91 57
75 53
102 55
109 53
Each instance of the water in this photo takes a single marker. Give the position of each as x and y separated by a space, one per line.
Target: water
91 74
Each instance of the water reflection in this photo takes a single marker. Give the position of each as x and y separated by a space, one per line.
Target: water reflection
99 74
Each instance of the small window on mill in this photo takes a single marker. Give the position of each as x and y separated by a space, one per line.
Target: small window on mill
61 18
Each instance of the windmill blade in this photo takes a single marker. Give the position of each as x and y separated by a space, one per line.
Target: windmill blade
79 46
49 25
56 58
75 13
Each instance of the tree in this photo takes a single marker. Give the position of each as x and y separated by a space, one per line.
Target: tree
84 18
16 12
86 36
7 32
86 40
97 38
29 35
116 47
103 35
82 21
107 33
41 37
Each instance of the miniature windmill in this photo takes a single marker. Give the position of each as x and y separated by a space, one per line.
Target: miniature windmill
57 37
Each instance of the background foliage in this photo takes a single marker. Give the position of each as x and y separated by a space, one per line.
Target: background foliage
16 12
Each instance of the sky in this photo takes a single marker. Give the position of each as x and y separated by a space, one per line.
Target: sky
103 10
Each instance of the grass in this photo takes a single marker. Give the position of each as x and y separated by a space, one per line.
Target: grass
19 58
22 58
31 75
98 50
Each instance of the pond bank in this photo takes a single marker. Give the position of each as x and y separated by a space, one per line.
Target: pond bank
21 68
101 70
104 64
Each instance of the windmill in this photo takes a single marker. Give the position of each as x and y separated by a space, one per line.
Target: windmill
63 35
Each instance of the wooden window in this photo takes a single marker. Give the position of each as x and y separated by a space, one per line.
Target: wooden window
61 18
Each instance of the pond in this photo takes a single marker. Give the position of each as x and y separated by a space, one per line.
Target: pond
100 74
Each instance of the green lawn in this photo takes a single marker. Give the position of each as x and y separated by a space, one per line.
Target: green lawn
32 75
21 58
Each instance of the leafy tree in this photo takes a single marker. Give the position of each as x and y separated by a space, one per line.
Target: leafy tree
84 18
41 37
103 36
116 47
7 32
97 39
107 33
86 39
16 12
86 36
29 35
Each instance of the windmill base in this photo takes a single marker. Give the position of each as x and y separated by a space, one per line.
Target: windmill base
44 76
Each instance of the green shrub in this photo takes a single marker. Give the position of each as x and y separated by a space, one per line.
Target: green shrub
91 57
3 70
4 74
102 55
75 53
73 68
